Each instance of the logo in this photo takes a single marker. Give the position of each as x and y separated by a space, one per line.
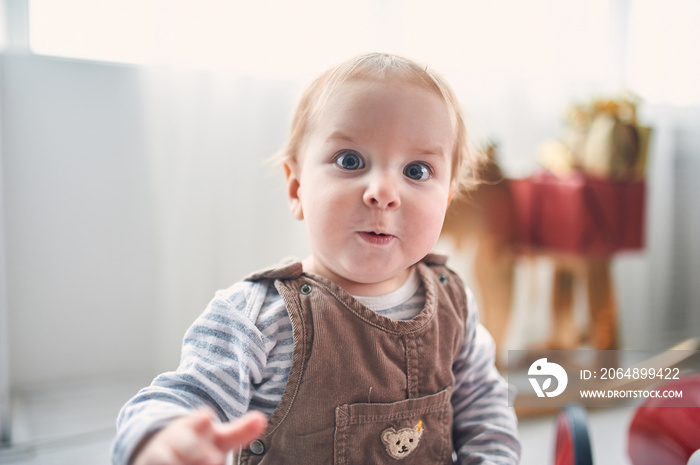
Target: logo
548 370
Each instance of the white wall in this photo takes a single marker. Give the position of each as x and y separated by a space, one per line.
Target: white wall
80 247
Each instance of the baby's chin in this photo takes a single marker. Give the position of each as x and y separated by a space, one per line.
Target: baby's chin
360 278
370 283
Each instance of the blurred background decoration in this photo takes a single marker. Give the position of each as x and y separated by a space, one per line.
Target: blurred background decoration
133 140
585 204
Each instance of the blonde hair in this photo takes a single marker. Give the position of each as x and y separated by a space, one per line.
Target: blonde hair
381 67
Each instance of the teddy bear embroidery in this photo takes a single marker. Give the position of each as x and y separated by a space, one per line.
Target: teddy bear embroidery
399 444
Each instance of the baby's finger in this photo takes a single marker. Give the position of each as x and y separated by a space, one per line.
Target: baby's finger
203 421
205 454
241 432
158 454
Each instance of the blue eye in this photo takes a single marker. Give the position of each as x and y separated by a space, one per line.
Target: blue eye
417 171
349 161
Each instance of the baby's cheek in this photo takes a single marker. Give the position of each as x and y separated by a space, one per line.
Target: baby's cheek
429 222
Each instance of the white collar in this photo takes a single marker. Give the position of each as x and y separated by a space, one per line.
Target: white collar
394 298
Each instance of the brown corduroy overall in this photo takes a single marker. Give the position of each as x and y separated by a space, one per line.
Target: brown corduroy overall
365 389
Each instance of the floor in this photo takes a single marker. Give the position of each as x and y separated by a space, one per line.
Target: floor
71 424
74 425
607 429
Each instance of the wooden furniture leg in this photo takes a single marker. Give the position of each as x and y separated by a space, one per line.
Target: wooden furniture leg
564 334
602 304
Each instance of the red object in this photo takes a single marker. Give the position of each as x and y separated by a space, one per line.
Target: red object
661 434
564 453
578 214
572 443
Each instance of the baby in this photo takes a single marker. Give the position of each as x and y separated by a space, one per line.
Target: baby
367 351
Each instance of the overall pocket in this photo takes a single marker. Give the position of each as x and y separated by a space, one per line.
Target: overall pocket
411 431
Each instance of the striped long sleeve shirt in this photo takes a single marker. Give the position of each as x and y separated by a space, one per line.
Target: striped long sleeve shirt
237 356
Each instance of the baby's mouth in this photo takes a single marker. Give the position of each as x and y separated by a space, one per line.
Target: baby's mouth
374 237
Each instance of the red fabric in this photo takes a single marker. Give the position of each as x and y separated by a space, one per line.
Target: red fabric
578 214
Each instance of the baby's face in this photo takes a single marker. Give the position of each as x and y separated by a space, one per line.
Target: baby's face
373 182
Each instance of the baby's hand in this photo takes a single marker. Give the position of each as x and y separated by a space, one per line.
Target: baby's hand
200 440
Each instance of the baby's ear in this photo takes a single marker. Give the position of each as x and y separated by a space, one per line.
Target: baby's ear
291 170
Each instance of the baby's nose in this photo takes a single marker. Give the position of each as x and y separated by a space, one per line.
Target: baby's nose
382 193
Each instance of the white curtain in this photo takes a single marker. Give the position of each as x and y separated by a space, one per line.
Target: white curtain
222 210
661 64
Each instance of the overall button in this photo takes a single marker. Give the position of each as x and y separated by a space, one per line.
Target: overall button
443 278
257 447
306 289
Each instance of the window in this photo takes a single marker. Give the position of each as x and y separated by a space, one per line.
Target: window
652 42
257 37
663 56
